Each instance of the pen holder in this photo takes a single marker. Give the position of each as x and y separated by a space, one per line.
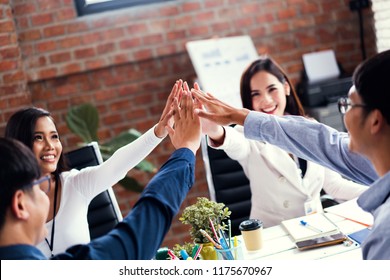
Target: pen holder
208 252
232 253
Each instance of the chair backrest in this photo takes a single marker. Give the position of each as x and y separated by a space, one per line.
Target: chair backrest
103 212
227 183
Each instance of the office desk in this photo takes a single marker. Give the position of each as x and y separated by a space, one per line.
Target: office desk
278 245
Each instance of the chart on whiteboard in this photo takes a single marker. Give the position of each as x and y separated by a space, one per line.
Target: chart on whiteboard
219 63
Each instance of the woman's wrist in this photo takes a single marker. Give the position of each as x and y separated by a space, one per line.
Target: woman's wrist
219 138
159 131
240 116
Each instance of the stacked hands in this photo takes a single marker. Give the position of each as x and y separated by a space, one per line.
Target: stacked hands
190 112
179 120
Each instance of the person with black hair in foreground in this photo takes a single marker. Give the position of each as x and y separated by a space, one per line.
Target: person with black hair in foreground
24 205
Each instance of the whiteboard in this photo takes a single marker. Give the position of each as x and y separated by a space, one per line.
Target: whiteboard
219 64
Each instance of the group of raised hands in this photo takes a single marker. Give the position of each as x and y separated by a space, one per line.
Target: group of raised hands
190 112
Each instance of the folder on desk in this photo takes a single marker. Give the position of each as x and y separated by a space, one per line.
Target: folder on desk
352 211
360 236
319 221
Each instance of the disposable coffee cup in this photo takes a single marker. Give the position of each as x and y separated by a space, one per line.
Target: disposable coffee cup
252 233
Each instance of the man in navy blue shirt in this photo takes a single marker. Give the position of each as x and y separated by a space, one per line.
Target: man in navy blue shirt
24 205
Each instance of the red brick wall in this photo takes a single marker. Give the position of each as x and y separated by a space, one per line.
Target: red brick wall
126 61
13 80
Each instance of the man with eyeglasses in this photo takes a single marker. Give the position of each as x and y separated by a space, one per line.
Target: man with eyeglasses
24 205
362 154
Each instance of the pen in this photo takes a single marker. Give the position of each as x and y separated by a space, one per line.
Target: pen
230 232
235 244
226 251
195 256
184 254
223 239
205 234
196 247
172 255
305 224
213 228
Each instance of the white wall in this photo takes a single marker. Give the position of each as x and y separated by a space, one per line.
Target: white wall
381 9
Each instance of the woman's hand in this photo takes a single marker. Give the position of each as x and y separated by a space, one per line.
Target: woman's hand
187 130
217 111
166 116
211 129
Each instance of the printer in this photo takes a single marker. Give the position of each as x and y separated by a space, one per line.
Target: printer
323 79
313 94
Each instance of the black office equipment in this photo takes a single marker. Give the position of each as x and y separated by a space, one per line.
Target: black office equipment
227 183
313 94
103 211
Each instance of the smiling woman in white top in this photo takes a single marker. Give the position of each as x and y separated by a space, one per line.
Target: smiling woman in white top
283 186
72 191
362 154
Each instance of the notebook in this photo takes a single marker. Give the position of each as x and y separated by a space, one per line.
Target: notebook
309 227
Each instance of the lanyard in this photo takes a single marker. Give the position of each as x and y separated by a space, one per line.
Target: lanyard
51 244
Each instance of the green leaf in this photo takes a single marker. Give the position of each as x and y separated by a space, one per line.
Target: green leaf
146 166
197 215
121 140
83 120
131 184
143 165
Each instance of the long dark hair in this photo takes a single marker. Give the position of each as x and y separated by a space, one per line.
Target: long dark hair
371 80
21 126
267 64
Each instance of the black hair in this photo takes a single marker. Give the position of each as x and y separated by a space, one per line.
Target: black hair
21 126
18 168
371 80
267 64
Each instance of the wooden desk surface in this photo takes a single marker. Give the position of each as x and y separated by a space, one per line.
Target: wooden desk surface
278 245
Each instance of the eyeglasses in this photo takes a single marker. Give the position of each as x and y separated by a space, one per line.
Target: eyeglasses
41 182
345 105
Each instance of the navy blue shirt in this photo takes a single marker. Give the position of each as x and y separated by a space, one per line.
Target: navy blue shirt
141 233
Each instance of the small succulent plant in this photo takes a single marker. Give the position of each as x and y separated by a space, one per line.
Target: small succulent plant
199 214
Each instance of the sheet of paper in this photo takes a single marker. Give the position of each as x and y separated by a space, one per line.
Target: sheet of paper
351 210
317 226
219 64
321 66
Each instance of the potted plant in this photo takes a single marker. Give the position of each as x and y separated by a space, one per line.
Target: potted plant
199 215
188 247
83 120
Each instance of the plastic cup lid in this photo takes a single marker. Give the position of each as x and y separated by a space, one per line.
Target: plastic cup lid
250 224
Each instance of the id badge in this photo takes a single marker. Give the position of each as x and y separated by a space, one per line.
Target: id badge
313 206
